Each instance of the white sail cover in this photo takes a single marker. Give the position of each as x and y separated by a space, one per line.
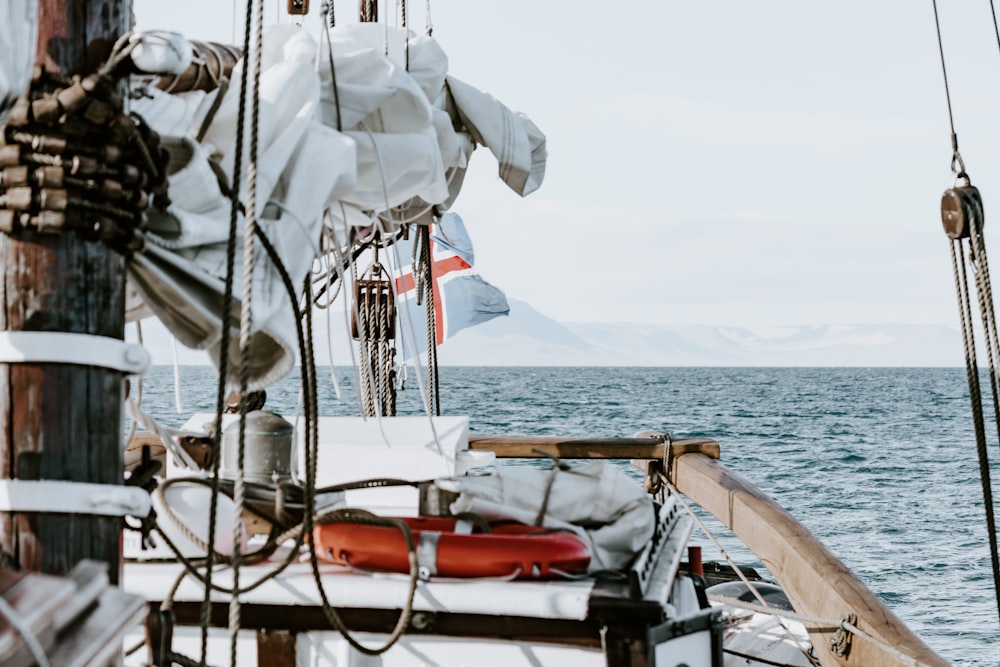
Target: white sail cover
596 500
382 151
18 27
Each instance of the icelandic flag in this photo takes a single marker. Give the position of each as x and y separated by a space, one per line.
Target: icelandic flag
461 298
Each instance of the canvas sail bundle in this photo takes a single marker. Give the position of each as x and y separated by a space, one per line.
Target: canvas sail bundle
389 152
595 500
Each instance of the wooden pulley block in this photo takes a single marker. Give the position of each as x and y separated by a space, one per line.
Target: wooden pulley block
49 222
122 128
961 209
370 295
99 113
14 176
48 144
17 199
45 109
10 155
10 221
72 98
20 114
53 199
298 7
50 176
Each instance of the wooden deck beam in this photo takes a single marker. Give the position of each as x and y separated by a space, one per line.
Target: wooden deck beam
529 447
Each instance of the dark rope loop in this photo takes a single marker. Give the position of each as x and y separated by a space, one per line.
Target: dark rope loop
958 256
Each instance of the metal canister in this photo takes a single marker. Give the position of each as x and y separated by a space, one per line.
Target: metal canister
267 448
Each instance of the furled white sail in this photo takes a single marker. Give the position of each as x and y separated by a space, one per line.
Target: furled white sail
17 49
380 150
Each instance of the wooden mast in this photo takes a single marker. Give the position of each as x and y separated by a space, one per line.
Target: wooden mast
64 422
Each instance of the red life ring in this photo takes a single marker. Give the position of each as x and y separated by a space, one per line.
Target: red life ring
509 549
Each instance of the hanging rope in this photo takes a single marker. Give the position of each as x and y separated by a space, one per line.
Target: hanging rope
962 217
250 227
333 70
425 295
368 11
402 10
375 331
227 304
666 483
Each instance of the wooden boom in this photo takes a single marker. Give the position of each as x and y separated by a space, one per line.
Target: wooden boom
818 584
652 448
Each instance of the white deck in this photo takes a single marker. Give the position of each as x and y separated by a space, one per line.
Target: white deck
356 448
329 649
296 586
352 449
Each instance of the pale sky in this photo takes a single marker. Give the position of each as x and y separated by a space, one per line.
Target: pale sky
751 164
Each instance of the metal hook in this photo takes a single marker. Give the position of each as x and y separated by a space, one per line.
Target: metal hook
958 165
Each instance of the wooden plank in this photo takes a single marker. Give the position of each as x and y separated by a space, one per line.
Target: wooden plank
276 648
37 599
587 448
144 438
303 618
63 421
96 639
816 582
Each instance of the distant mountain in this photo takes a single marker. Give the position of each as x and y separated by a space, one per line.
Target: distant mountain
528 338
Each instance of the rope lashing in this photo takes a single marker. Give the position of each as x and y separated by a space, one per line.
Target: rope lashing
845 625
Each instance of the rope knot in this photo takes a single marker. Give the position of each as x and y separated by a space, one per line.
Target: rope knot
840 642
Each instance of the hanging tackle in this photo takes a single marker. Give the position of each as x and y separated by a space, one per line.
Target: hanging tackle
963 219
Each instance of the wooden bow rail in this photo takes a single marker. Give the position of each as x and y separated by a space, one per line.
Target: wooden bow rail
646 448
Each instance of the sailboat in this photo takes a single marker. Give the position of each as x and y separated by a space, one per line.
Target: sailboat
377 539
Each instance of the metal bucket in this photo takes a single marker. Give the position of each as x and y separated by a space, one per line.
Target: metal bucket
267 448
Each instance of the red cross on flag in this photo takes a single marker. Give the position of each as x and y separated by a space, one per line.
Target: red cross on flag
461 298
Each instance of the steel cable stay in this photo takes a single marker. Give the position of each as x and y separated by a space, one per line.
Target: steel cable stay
963 218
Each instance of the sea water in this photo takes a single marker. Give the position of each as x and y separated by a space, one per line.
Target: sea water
880 464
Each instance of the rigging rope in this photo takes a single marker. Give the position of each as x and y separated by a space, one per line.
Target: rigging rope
947 93
227 305
962 216
250 227
369 11
375 332
425 294
736 568
296 532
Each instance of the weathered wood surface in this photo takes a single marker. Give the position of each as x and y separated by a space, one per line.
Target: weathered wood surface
816 582
588 448
61 421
